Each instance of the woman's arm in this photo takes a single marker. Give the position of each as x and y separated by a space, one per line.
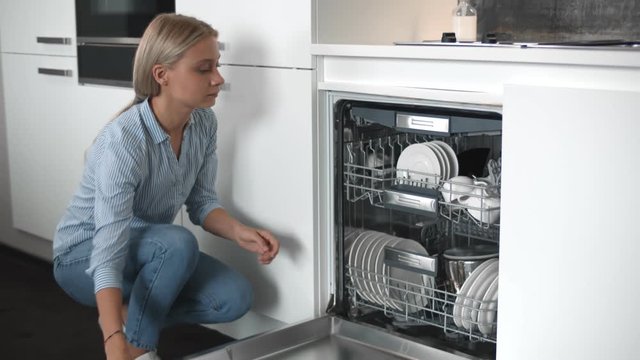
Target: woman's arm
261 242
109 302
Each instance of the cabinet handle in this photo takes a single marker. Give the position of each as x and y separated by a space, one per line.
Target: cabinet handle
221 45
53 40
56 72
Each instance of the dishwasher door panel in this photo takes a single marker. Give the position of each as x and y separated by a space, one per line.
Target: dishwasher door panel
327 337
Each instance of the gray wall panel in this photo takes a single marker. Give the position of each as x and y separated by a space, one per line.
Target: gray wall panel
558 20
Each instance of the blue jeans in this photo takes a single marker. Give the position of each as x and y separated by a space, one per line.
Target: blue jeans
166 281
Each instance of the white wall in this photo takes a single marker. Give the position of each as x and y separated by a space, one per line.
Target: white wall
381 22
8 235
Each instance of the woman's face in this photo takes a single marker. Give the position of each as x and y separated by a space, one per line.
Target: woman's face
194 80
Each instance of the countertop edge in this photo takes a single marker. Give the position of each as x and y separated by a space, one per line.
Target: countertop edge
568 56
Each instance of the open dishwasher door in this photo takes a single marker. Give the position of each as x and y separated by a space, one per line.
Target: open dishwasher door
327 337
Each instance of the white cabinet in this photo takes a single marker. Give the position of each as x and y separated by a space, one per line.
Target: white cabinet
569 242
50 123
264 33
41 160
36 27
265 146
265 179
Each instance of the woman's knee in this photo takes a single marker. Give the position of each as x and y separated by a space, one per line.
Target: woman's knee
178 242
241 300
234 302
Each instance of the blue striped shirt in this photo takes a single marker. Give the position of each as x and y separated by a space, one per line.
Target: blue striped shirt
132 178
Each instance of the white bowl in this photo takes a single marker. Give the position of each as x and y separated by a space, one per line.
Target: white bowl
482 205
456 187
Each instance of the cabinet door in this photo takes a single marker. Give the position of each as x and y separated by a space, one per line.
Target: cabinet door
265 179
50 123
264 33
23 22
569 245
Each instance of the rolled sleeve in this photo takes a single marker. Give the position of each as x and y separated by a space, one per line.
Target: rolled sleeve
203 197
107 277
117 174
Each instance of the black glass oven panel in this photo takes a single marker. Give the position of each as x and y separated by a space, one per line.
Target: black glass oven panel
106 64
118 18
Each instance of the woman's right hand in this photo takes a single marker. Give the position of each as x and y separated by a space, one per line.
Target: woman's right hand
117 349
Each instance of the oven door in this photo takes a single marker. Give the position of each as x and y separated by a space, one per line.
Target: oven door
100 20
106 64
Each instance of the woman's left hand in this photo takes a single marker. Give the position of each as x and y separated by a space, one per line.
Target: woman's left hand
259 241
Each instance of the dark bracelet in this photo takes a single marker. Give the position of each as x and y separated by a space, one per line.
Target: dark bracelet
115 332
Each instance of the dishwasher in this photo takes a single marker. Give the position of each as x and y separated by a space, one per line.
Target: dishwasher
413 256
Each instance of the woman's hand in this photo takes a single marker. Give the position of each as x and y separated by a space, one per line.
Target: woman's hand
258 241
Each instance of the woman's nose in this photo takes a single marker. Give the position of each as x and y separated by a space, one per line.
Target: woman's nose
217 79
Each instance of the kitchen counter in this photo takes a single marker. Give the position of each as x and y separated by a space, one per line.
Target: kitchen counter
616 57
470 74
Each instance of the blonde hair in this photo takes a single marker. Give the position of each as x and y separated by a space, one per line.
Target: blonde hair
164 42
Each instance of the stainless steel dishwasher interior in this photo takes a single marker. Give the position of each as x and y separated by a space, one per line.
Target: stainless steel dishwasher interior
380 204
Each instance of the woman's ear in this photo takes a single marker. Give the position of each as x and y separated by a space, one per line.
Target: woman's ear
160 74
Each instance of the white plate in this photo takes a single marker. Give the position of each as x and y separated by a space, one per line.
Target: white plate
348 242
407 278
362 264
487 312
421 159
459 303
451 155
379 280
442 158
475 295
368 267
355 261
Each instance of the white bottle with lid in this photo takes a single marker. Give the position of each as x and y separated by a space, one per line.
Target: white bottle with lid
465 21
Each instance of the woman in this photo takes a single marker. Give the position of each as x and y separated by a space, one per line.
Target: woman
115 244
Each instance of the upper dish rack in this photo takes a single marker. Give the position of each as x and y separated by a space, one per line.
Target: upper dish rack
368 175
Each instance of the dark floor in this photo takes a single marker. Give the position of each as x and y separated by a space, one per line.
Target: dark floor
39 321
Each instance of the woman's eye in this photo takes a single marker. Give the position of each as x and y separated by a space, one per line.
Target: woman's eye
204 70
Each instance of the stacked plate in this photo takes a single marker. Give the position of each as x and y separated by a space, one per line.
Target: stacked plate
426 163
476 303
391 287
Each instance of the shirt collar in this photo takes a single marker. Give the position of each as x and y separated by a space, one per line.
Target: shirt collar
157 134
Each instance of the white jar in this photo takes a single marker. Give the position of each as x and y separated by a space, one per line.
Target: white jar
465 21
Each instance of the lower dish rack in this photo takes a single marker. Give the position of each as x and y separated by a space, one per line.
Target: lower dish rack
410 303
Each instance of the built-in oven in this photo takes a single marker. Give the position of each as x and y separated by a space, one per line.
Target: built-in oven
108 33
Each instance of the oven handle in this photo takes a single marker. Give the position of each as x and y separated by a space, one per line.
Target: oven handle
55 72
97 41
53 40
